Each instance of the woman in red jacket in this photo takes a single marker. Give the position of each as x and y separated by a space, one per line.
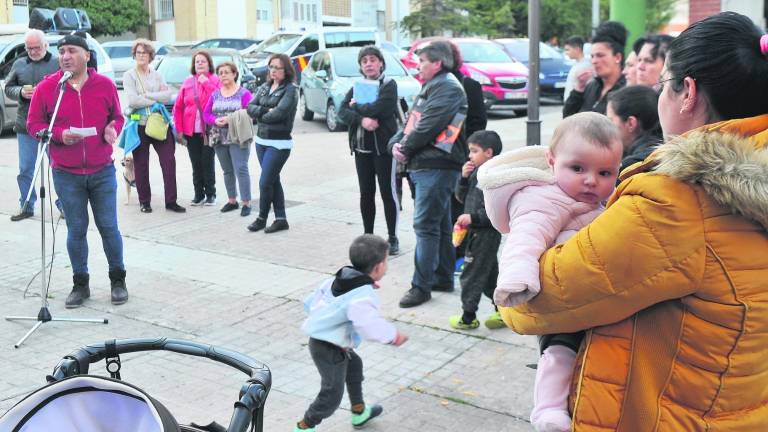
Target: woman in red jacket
188 120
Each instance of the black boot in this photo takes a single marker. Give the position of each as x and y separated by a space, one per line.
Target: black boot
117 283
80 291
277 225
394 245
257 225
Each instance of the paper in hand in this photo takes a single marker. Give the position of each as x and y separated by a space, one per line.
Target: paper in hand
365 91
83 132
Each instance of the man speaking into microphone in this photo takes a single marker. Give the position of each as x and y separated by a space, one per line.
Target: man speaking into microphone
83 134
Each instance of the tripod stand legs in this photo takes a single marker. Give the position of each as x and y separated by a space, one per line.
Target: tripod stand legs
43 317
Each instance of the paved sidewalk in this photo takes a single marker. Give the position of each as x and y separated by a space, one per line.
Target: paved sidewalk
202 276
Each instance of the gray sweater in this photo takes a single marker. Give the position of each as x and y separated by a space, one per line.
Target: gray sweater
144 91
27 72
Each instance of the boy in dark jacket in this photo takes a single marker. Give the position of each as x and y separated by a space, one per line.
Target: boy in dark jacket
481 265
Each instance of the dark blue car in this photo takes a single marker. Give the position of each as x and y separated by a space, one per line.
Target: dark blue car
554 66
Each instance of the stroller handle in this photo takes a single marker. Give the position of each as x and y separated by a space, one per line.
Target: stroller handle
253 393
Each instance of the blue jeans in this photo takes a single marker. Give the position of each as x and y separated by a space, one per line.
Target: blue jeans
100 189
270 188
28 147
434 257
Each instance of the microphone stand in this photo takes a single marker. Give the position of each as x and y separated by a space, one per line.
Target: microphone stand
44 315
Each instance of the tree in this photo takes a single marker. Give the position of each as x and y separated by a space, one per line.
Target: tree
658 13
108 17
434 17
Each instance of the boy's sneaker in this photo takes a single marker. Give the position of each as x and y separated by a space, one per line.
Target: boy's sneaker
359 420
494 321
298 429
458 323
210 200
198 200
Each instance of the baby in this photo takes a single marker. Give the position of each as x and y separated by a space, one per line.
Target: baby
541 196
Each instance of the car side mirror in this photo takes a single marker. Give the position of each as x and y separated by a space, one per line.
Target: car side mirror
249 77
323 75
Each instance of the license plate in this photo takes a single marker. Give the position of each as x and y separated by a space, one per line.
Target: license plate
560 84
518 95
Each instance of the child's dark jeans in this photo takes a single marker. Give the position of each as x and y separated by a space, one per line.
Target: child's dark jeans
337 367
481 267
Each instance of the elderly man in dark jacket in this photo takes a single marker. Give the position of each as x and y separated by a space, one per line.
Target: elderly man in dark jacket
433 146
20 84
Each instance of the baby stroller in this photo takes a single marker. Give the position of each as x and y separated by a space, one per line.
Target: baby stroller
75 401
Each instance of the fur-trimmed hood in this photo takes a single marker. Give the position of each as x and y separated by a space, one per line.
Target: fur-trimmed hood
523 165
729 160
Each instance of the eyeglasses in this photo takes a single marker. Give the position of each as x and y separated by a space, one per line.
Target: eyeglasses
142 53
275 68
33 48
660 85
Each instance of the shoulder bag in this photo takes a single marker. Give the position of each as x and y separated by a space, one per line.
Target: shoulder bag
156 127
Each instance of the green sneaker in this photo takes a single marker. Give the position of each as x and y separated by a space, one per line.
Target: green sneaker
359 420
456 322
298 429
494 321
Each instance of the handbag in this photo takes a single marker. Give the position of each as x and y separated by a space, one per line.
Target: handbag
156 127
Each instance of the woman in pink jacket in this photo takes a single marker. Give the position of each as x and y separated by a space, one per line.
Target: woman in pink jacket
541 196
188 120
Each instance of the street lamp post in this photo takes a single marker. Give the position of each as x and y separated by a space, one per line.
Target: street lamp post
534 123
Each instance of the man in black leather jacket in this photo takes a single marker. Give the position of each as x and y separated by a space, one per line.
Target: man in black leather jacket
433 146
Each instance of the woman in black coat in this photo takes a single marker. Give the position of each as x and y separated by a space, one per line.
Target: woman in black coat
371 125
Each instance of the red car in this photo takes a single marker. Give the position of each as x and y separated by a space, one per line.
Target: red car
504 80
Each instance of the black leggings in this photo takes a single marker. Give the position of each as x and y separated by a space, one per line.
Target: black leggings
371 167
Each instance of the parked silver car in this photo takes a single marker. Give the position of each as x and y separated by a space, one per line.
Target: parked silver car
332 72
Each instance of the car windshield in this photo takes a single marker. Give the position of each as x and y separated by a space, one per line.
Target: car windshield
346 65
175 69
118 51
519 50
481 52
278 43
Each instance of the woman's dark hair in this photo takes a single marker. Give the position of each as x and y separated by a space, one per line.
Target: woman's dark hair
660 45
614 34
290 72
640 102
232 68
371 50
638 45
207 56
722 54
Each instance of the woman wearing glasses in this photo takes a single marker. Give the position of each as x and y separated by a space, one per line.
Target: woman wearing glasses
673 277
144 87
274 107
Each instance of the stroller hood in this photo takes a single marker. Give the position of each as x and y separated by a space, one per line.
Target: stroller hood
88 403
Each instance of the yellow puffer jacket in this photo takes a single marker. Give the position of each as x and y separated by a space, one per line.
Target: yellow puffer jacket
673 280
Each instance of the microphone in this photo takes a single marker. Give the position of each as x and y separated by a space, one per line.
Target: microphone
65 77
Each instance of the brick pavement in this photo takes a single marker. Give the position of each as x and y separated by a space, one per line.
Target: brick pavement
201 276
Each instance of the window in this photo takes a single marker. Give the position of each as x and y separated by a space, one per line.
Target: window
309 45
295 11
302 7
24 3
164 9
314 13
343 39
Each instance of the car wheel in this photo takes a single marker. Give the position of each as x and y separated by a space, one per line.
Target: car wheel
521 112
306 114
331 121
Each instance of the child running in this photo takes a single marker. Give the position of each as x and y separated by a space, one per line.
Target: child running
541 197
481 264
343 311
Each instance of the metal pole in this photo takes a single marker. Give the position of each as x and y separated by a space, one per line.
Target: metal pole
595 15
533 136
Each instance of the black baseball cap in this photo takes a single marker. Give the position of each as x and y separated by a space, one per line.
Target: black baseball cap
74 39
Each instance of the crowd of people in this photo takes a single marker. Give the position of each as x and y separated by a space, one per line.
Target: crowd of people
635 232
